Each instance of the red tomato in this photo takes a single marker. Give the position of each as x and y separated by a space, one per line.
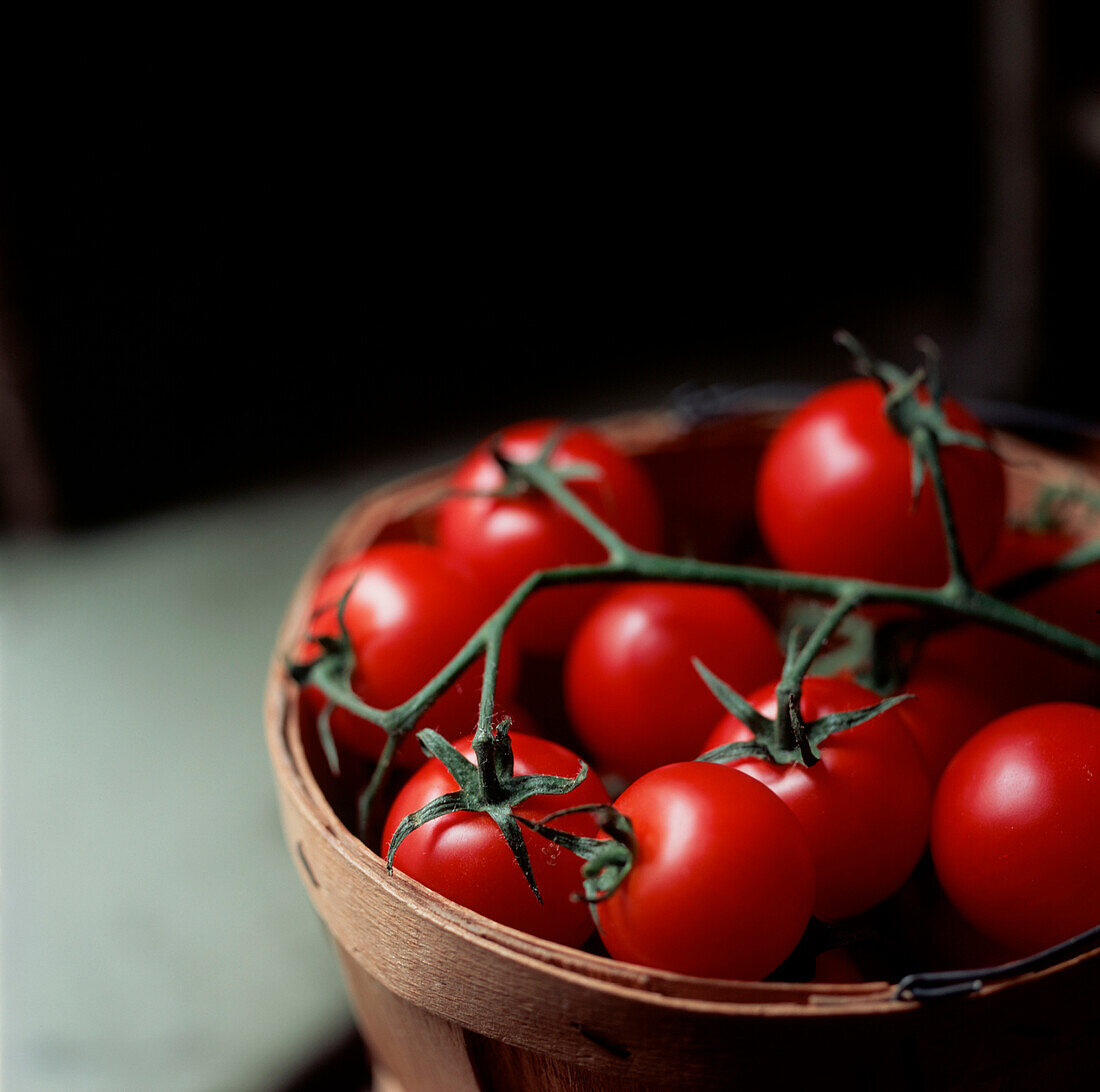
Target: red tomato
411 609
633 696
506 539
1019 551
464 856
864 806
1012 670
722 880
1016 826
946 710
834 492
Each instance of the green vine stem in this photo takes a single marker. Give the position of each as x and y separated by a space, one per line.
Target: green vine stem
957 596
924 424
800 655
885 672
607 861
785 739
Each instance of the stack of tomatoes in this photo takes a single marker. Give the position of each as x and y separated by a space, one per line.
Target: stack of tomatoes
994 762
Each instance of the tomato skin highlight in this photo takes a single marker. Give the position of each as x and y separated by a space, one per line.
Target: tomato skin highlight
464 856
1016 826
633 696
410 610
722 883
506 539
834 493
864 806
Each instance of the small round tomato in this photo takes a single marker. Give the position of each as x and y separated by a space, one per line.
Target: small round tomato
632 694
722 880
864 805
1016 826
834 492
411 608
1013 670
464 856
505 539
946 710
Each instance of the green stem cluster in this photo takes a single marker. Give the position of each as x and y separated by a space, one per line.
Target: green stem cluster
490 786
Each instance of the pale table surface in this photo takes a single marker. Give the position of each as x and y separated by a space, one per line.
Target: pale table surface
154 931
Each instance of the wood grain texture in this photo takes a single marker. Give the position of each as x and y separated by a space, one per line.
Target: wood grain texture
440 990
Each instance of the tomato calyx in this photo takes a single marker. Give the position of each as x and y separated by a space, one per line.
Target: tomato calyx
924 425
490 785
567 472
515 483
607 861
331 673
907 413
787 739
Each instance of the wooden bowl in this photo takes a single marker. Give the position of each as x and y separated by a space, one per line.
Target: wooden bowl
447 999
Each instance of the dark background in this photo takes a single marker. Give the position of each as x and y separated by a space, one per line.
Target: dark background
222 270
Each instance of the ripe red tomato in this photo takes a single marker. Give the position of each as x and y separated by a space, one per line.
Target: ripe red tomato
834 494
632 694
946 710
505 539
464 856
410 610
722 880
1016 826
864 806
1013 670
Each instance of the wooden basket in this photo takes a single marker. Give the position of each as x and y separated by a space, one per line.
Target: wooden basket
449 1000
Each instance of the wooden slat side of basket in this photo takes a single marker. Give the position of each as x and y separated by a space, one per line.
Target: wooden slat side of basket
435 985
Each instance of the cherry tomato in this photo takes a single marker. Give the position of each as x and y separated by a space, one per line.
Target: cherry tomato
1016 826
1013 670
864 806
505 539
834 492
722 880
946 710
633 696
464 856
410 610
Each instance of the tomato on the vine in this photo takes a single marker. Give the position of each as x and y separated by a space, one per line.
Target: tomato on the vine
946 710
411 608
722 880
864 805
464 856
834 493
1014 670
506 538
633 696
1016 826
